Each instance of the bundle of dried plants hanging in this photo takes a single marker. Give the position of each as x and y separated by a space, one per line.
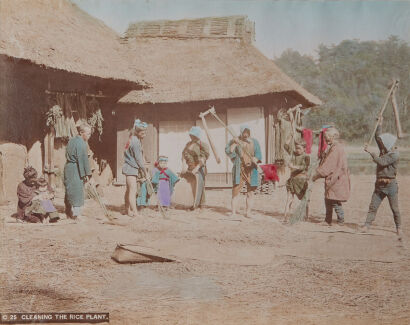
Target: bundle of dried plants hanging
53 114
96 122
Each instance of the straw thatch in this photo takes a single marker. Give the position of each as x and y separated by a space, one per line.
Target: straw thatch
235 27
183 69
59 35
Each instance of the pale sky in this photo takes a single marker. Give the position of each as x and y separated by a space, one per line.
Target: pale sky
281 24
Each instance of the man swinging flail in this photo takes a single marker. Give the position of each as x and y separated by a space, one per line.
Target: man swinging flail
245 154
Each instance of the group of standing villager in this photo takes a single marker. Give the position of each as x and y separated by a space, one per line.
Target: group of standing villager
35 195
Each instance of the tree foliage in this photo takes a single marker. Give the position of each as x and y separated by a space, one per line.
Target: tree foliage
352 79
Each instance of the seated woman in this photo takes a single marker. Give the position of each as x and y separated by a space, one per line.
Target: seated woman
42 206
26 192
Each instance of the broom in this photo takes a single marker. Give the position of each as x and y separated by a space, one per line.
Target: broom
151 187
301 211
93 194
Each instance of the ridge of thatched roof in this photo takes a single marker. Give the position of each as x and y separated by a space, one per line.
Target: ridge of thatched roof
59 35
235 27
184 70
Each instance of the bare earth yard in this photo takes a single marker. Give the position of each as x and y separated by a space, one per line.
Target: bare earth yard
229 270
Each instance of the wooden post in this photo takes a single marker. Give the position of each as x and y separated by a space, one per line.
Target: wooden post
51 174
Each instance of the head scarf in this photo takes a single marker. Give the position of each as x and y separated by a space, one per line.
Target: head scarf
29 173
195 131
388 140
139 125
244 127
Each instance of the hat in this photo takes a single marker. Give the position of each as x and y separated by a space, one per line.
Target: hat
162 158
388 140
244 127
139 125
29 173
195 131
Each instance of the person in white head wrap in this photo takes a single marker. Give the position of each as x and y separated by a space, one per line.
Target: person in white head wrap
386 183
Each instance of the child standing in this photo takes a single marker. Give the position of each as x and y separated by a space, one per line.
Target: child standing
386 183
297 183
164 181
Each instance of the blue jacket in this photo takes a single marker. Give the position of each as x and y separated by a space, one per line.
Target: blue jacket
236 160
133 158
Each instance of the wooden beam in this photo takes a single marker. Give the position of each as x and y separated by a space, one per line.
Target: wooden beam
54 92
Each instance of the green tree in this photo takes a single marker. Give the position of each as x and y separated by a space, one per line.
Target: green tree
352 79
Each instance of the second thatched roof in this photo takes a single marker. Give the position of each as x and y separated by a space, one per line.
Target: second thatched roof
184 67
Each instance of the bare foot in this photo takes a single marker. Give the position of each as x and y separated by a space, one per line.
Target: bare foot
399 234
325 223
364 229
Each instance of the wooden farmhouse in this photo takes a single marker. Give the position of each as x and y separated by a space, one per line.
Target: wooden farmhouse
52 49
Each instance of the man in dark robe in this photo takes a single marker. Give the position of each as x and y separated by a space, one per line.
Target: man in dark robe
76 172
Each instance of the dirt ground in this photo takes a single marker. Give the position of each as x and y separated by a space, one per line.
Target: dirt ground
228 270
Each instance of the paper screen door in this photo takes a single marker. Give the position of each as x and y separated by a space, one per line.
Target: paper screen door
173 136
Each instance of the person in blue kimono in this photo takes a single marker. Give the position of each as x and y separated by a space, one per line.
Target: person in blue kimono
164 180
136 192
76 172
245 154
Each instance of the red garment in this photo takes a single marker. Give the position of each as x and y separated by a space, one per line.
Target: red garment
322 143
307 135
270 172
162 172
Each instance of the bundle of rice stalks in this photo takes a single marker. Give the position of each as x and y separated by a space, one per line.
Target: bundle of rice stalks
92 192
301 212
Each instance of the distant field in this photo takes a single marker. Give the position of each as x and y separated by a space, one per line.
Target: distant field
361 163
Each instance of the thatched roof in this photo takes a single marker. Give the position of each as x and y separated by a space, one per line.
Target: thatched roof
183 69
59 35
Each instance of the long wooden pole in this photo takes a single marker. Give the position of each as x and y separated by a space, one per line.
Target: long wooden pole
395 83
399 131
231 132
218 160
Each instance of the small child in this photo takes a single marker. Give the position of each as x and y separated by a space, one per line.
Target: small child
164 181
298 180
42 205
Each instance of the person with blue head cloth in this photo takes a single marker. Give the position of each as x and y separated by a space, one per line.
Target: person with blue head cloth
134 169
245 154
194 157
386 184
